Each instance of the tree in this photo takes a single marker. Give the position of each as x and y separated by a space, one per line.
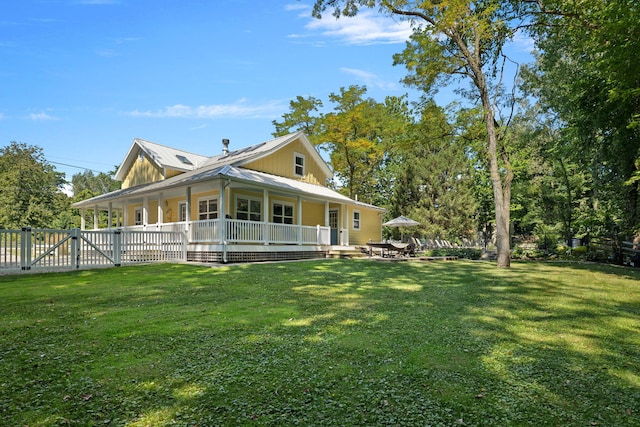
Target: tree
587 74
356 134
95 184
30 187
300 117
433 182
459 39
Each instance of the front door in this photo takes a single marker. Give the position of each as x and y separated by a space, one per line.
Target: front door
333 224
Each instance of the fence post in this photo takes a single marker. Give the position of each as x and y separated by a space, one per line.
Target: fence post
75 247
117 248
25 248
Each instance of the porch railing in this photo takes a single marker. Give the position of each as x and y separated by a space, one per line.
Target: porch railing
242 231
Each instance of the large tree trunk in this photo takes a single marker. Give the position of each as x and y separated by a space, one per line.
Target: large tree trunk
501 185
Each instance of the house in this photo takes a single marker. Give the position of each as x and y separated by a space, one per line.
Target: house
268 201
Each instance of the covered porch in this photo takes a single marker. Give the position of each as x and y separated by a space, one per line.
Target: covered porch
227 218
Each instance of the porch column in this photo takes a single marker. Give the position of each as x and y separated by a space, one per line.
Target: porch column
188 208
96 212
265 218
125 215
299 209
160 209
326 213
83 225
223 212
145 211
109 215
345 224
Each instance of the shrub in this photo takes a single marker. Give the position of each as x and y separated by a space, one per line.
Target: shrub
466 253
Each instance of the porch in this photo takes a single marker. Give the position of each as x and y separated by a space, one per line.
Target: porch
233 240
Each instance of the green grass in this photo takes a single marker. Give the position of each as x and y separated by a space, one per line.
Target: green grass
329 342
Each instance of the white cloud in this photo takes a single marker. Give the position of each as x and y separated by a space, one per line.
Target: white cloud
41 117
370 79
240 108
366 28
296 6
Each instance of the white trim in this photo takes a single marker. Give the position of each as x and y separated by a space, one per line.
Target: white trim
353 219
207 199
297 156
138 211
283 203
250 199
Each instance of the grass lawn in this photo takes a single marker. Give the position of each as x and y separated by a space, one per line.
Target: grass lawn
326 342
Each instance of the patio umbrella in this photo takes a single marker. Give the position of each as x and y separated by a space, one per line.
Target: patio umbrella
401 221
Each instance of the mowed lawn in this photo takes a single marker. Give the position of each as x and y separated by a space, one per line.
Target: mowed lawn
326 342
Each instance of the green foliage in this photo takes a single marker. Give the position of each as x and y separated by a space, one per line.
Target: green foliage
461 253
89 183
301 117
585 76
30 188
331 342
433 183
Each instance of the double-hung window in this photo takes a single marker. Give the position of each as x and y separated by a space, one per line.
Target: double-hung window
137 216
248 209
356 220
208 208
282 213
298 164
182 211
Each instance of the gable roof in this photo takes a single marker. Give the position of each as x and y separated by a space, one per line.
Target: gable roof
168 157
249 154
164 157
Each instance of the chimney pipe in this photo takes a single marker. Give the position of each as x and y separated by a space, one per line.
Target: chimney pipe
225 146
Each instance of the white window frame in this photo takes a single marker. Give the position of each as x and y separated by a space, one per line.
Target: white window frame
138 216
208 199
356 220
182 211
302 166
251 215
282 216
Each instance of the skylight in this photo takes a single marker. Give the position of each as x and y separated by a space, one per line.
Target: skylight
183 159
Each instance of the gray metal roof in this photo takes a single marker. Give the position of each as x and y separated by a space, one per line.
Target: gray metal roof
258 179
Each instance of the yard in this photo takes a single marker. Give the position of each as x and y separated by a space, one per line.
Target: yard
326 342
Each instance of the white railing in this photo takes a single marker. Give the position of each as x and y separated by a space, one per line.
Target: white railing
47 249
242 231
207 230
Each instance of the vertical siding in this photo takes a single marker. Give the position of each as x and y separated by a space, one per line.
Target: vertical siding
370 226
282 163
141 172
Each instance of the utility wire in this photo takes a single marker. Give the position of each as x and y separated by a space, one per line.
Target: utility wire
74 166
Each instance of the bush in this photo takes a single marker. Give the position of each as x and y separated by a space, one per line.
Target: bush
465 253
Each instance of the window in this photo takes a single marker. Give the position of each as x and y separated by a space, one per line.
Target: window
137 216
208 209
356 220
298 164
248 209
182 211
184 160
282 213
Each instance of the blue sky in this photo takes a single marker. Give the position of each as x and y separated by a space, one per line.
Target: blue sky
83 78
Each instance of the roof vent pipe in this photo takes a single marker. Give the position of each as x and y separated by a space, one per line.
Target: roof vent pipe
225 147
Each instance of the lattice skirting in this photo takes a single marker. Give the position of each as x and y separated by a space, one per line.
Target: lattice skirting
216 256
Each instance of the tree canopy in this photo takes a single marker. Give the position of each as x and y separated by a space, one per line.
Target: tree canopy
30 187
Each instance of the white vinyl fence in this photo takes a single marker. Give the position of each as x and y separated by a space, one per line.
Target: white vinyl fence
47 249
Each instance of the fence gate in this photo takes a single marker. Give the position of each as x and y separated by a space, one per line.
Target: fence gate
48 249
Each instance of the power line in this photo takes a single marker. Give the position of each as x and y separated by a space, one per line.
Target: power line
74 166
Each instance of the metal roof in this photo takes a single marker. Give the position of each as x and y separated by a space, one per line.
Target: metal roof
259 179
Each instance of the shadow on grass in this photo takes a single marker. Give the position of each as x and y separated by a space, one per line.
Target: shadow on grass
323 343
